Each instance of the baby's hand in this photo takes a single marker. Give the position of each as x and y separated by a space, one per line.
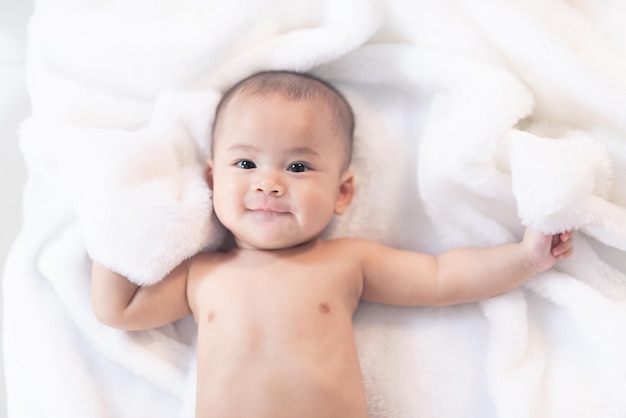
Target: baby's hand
545 250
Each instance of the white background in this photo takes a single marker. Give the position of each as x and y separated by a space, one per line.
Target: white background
14 107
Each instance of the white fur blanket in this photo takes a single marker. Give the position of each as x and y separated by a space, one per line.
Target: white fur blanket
474 118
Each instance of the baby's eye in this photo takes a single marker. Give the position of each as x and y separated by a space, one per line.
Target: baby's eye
298 167
245 164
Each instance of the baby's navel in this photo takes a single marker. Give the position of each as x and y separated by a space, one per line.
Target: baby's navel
324 307
211 317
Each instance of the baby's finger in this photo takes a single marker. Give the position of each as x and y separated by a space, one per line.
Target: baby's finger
565 236
565 254
563 249
560 239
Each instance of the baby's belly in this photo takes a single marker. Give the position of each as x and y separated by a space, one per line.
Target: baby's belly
279 366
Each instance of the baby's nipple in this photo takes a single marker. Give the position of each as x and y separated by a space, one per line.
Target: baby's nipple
210 317
324 307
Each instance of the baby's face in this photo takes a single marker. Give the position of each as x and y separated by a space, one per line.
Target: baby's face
278 171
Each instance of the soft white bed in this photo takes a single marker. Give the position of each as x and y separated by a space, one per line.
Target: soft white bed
474 118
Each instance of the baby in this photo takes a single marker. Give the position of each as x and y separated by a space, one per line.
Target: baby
274 311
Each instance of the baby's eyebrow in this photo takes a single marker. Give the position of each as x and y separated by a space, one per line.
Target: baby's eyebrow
242 147
303 150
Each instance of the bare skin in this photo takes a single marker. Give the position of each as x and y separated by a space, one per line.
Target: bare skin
274 313
275 335
286 338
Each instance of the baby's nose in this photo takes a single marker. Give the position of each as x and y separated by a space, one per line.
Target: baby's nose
270 186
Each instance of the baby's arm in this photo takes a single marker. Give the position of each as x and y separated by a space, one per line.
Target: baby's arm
121 304
458 276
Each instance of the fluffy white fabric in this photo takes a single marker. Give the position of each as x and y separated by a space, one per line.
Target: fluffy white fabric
474 118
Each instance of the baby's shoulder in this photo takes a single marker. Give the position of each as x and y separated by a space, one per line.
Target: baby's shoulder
210 258
204 262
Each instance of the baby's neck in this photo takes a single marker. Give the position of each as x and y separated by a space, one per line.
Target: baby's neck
292 250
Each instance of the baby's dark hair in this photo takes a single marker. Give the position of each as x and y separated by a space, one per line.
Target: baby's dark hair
294 86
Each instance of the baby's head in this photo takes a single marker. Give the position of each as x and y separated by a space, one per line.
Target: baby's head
281 150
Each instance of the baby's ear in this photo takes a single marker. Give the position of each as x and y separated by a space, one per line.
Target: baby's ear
209 173
346 192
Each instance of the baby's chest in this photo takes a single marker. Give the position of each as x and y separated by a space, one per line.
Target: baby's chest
295 292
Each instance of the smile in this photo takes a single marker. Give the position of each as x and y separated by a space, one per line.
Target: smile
268 213
267 205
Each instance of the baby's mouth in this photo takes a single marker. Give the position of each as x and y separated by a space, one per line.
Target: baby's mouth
268 207
268 214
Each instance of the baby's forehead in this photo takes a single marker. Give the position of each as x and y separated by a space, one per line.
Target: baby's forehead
245 103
